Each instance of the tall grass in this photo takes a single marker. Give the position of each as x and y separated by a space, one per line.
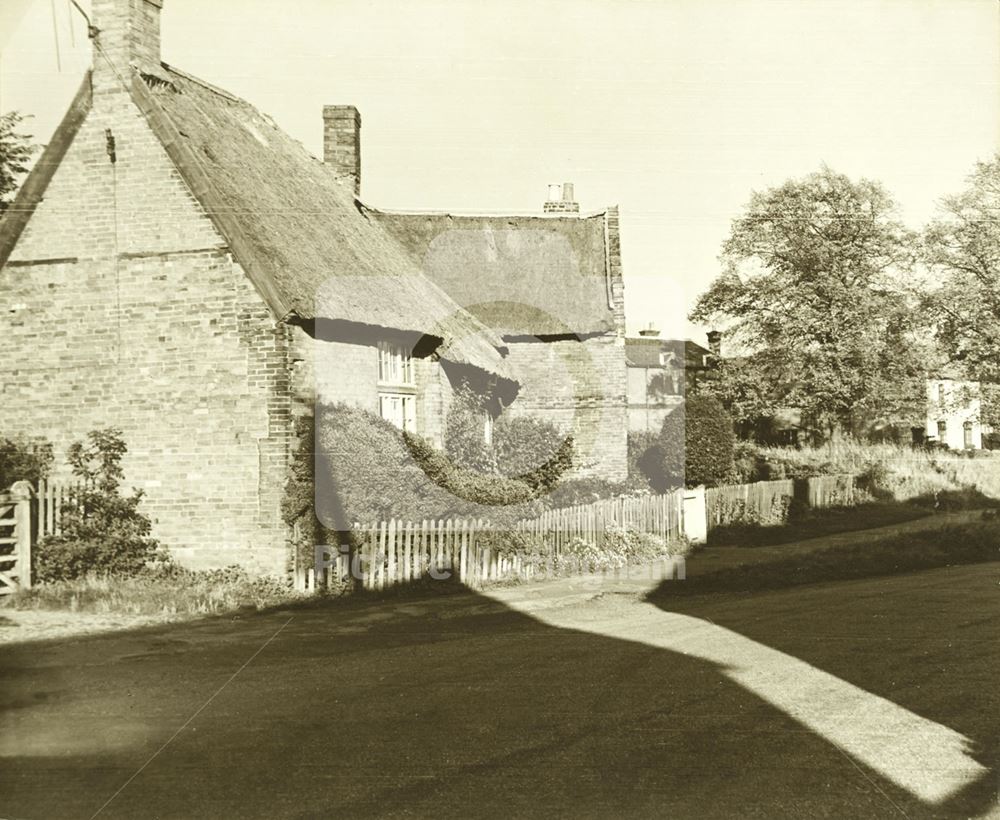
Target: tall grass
902 473
171 594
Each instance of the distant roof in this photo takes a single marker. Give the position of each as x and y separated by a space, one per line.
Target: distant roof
297 231
645 352
520 275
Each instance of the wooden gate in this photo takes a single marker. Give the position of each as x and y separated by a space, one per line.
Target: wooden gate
15 538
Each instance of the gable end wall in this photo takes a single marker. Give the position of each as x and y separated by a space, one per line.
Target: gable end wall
126 310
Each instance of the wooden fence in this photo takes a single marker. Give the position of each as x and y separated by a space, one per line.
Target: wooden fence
54 497
768 502
396 552
661 515
15 538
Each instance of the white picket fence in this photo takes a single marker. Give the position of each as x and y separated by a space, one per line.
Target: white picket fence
394 552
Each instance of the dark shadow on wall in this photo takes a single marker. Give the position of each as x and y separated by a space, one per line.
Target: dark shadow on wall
422 705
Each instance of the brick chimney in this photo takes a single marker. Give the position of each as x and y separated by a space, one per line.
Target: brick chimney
650 331
126 33
715 342
560 200
342 143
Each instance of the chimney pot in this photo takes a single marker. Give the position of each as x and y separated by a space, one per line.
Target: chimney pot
560 200
342 143
715 342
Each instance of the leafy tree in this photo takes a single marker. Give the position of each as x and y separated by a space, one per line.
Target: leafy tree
15 152
103 531
962 249
23 460
815 291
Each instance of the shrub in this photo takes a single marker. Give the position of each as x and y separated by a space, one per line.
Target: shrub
464 434
577 491
670 450
709 440
645 462
373 472
747 466
620 546
103 531
298 505
22 460
532 450
468 484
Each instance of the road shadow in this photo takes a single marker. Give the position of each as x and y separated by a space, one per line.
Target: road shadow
922 641
427 705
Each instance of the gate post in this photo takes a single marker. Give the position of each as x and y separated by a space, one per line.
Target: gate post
694 516
21 493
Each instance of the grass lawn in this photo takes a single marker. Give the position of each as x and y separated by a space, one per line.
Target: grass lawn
924 543
819 523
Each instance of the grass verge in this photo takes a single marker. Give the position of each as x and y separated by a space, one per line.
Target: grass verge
170 592
817 523
890 555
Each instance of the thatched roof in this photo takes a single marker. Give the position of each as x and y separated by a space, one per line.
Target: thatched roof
306 243
521 275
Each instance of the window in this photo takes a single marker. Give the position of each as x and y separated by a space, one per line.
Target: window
968 443
942 430
395 364
940 394
487 427
399 409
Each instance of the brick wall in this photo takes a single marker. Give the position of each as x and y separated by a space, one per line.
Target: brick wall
128 311
580 387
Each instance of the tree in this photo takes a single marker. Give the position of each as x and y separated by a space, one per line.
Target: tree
15 152
102 531
962 249
814 290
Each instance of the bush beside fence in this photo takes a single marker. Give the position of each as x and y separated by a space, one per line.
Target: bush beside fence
769 503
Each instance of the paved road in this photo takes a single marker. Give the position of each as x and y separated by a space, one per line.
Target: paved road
558 702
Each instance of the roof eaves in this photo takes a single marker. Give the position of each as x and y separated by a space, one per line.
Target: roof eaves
32 192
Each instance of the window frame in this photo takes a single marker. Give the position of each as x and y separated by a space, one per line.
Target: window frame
394 365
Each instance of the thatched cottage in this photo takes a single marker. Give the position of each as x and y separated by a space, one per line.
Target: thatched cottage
177 266
173 266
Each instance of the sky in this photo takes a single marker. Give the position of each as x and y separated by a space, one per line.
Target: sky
675 110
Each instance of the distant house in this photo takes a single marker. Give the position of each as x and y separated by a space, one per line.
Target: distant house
551 287
660 373
177 266
954 412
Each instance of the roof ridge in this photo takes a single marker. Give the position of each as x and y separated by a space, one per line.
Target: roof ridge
499 214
